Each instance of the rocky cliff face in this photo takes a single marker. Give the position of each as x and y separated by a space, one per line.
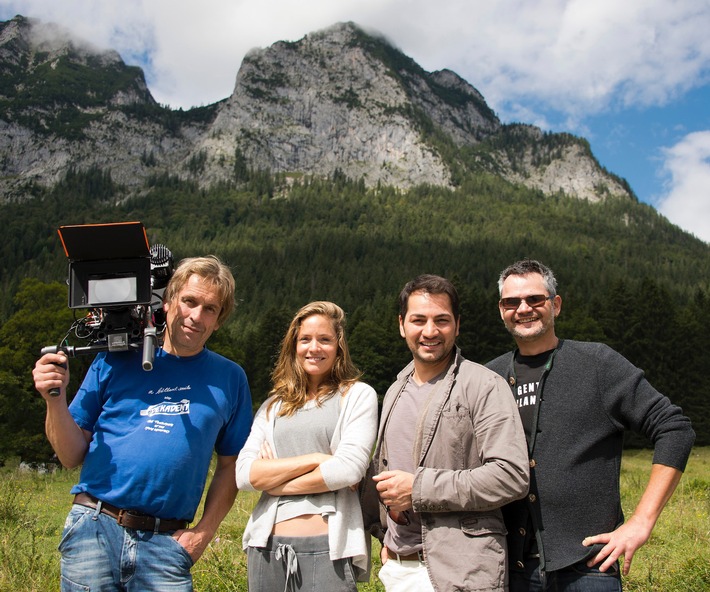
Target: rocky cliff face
65 104
338 99
341 99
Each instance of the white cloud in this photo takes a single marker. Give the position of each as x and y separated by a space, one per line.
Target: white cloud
687 202
575 56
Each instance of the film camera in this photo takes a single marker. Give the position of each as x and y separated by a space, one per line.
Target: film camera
120 280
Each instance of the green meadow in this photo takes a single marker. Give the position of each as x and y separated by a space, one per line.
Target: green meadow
33 507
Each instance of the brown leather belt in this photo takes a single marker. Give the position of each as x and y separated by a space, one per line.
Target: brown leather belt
130 518
418 556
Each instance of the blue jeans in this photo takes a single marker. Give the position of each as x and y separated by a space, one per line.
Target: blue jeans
575 578
98 555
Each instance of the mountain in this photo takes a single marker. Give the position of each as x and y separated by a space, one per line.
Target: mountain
65 104
338 169
338 100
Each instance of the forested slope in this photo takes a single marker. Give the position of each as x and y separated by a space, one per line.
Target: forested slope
627 276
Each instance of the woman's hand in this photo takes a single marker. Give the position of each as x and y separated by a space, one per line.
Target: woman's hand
265 452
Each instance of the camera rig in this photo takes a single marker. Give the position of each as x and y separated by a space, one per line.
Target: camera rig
120 280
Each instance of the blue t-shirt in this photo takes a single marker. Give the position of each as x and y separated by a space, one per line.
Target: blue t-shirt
154 431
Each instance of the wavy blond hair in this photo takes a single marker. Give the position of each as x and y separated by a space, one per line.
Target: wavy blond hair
289 379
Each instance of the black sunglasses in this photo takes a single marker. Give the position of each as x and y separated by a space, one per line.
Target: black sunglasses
534 301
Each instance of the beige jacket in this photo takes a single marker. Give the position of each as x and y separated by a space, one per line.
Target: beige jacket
472 459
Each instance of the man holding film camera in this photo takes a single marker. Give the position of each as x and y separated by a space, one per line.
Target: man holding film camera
146 439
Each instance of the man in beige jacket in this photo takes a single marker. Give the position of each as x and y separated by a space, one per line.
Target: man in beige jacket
450 452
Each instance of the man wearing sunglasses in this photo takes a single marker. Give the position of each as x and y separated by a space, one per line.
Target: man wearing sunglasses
450 452
575 400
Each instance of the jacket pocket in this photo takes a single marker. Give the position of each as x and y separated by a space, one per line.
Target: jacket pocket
467 552
483 525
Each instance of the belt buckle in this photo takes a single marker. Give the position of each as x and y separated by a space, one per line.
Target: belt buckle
120 517
129 519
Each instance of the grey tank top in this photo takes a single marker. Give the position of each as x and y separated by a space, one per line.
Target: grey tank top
308 430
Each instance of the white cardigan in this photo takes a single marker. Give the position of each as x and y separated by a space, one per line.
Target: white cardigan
351 447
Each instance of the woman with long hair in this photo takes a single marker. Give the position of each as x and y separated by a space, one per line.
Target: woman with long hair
309 447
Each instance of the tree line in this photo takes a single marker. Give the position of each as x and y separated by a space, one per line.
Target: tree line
627 276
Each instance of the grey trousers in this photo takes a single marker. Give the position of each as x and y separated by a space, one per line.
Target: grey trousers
298 564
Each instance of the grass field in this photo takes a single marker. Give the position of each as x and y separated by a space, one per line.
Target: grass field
33 508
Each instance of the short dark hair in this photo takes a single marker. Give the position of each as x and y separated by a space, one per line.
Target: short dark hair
526 266
430 284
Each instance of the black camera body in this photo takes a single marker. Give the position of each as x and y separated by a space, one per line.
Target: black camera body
120 280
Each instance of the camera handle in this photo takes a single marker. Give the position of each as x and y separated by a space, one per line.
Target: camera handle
54 392
71 352
150 342
149 345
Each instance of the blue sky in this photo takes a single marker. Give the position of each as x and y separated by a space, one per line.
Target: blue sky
632 77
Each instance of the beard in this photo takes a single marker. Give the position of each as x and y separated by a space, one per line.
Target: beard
521 334
431 358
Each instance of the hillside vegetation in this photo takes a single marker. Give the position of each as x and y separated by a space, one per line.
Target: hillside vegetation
383 171
627 276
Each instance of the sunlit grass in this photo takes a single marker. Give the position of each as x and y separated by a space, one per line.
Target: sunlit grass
33 508
677 557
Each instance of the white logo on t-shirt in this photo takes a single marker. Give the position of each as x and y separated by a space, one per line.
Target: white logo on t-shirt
168 408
